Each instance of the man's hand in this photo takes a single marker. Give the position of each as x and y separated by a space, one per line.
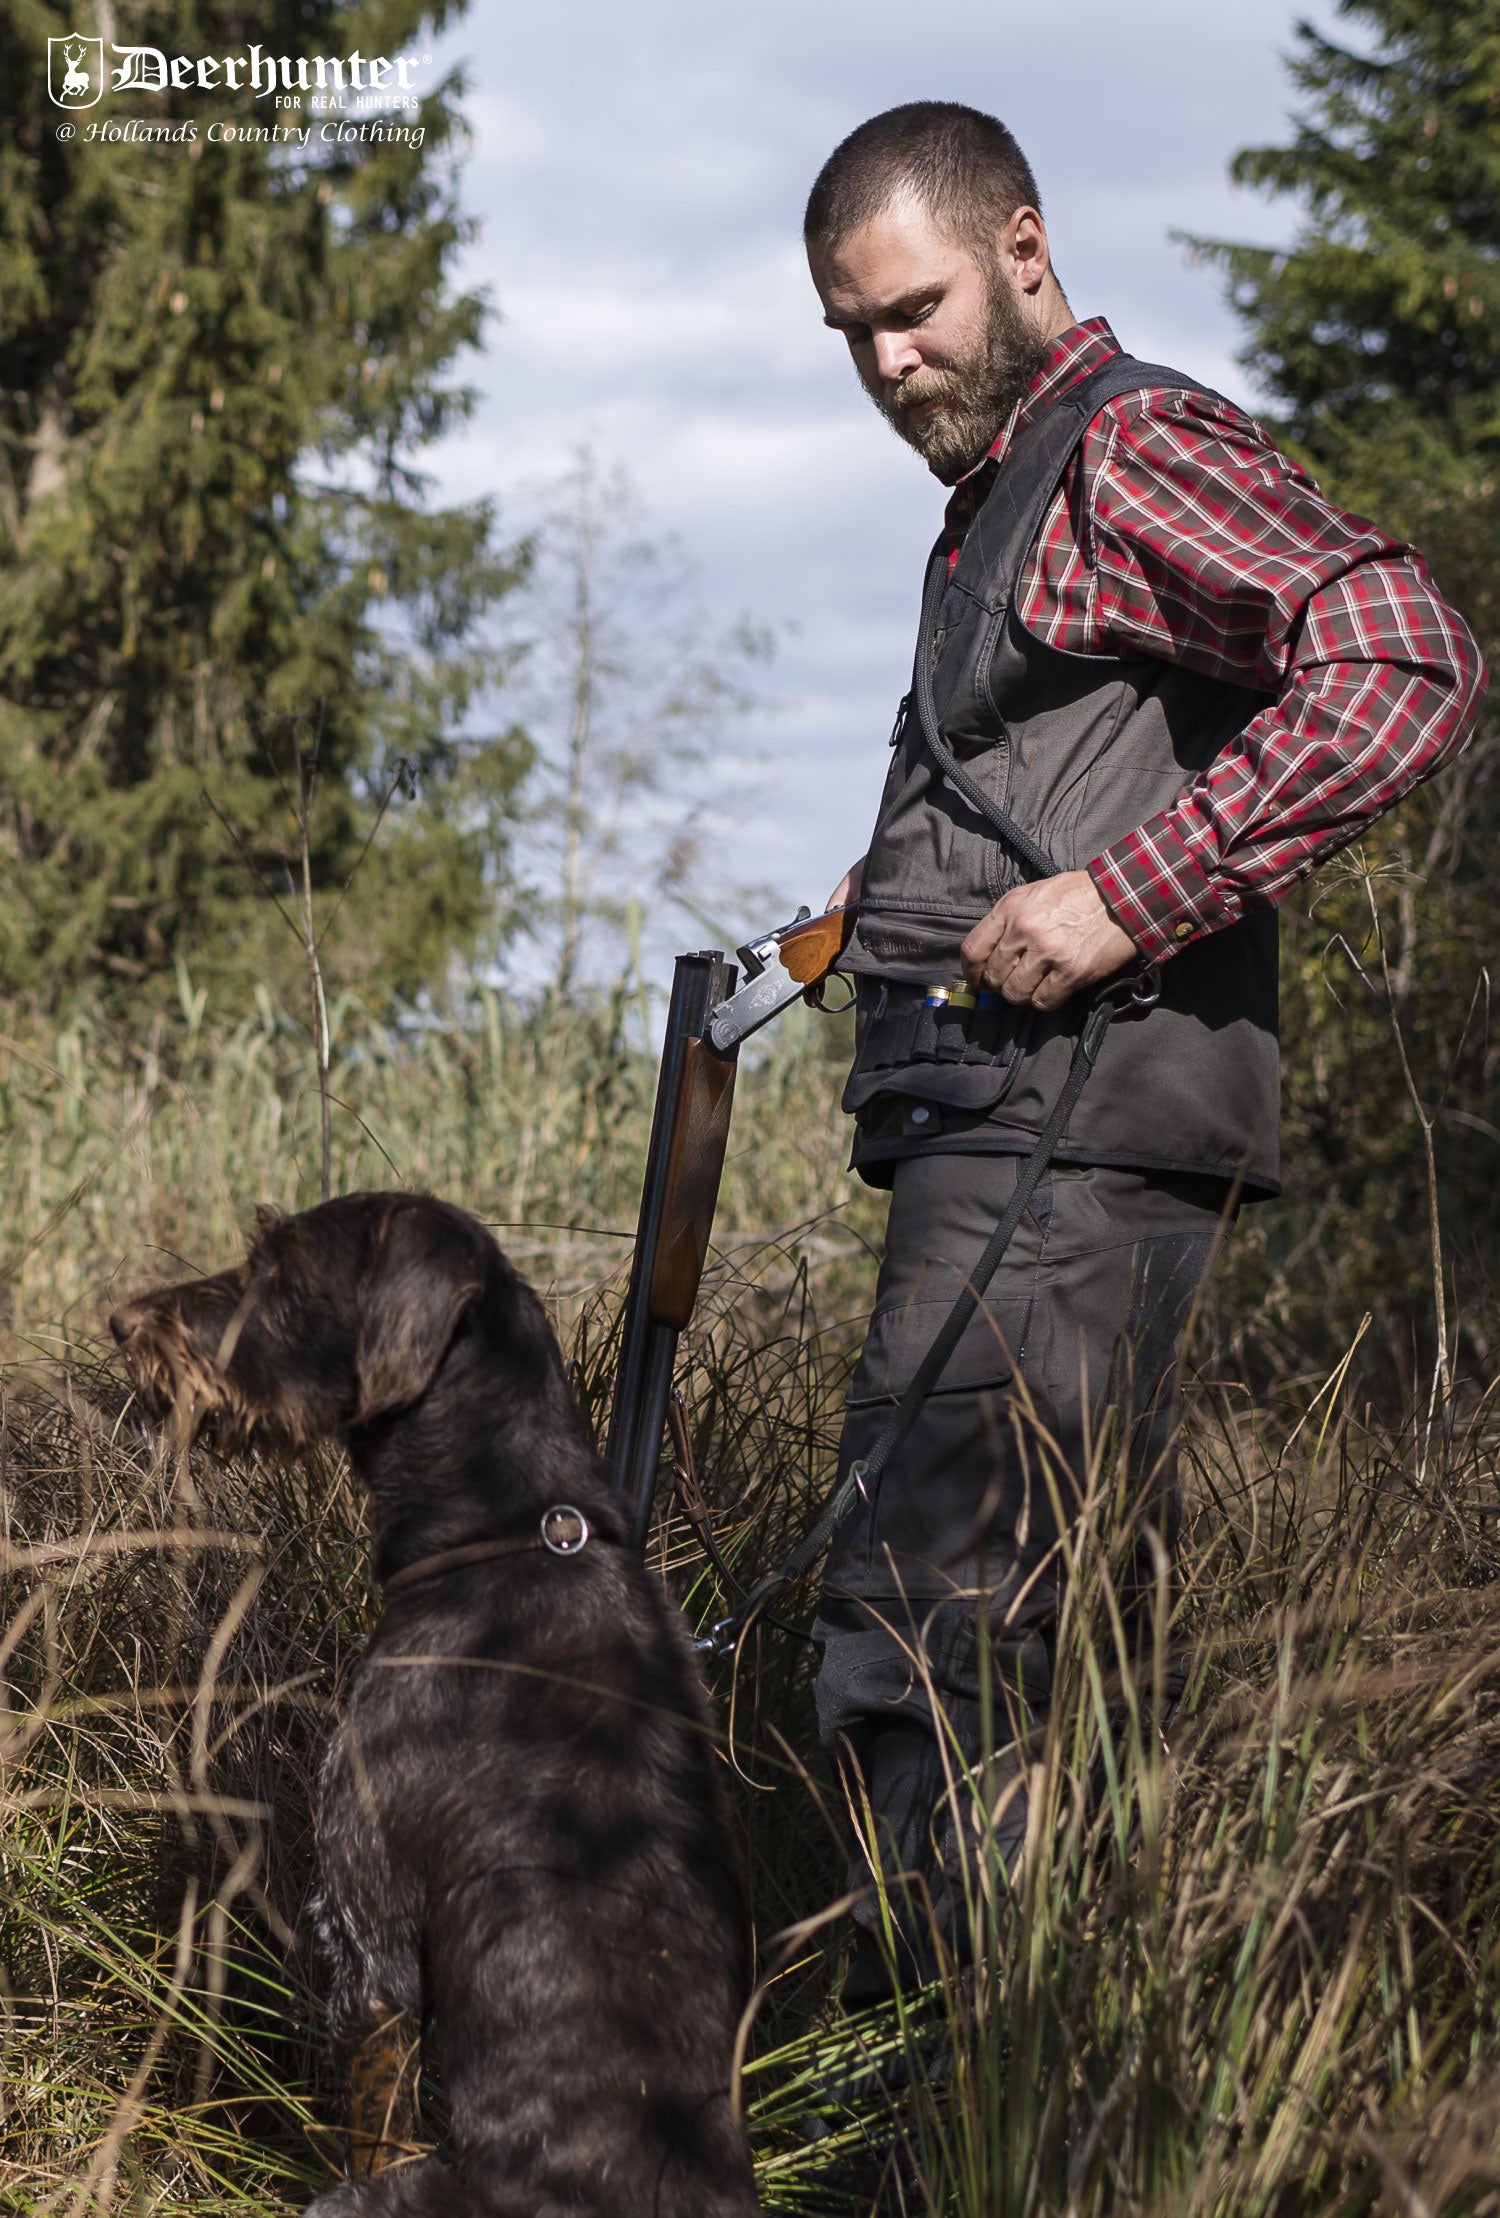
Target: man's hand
847 889
1042 942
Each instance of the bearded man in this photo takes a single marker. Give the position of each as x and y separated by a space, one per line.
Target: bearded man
1184 679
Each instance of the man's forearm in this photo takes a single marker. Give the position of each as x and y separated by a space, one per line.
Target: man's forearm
1384 690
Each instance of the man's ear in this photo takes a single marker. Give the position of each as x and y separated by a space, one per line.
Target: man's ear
421 1277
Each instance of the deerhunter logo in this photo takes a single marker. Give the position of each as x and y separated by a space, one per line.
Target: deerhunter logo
76 74
75 71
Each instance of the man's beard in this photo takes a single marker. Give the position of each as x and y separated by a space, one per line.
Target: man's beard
977 393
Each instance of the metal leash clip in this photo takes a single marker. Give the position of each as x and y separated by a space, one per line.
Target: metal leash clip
1145 987
722 1637
1138 989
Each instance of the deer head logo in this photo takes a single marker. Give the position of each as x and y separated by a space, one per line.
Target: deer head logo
75 71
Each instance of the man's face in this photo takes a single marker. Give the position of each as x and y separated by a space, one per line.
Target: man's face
945 345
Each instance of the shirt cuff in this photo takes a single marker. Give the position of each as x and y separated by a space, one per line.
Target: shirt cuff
1155 891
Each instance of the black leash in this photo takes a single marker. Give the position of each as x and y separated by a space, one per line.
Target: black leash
1141 990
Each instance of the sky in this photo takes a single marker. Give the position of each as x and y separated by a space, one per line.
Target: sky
637 177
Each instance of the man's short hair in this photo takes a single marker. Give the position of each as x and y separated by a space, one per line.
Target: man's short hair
963 166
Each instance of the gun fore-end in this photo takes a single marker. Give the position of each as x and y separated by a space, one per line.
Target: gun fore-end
706 1022
689 1135
695 1165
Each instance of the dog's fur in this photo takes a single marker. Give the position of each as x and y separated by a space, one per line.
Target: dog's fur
521 1844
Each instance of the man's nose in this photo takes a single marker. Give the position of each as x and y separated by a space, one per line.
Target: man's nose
896 352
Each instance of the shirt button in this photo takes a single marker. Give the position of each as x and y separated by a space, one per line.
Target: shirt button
1182 931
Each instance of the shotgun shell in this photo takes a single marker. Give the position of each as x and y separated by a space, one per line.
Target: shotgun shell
935 997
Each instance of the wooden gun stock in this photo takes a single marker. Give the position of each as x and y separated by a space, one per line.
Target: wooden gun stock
810 950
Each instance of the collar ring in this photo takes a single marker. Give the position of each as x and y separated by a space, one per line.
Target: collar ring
565 1530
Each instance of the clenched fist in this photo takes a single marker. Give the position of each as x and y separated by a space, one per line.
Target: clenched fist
1040 943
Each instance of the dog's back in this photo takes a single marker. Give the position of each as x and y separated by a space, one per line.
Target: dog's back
525 1781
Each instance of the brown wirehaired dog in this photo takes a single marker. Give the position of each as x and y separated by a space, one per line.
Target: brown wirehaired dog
521 1844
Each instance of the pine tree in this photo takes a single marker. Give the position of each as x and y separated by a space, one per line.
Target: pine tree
1380 326
1376 337
222 357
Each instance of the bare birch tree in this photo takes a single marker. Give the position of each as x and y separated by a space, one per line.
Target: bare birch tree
628 700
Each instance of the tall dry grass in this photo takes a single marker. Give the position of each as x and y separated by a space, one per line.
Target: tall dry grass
124 1156
1249 1970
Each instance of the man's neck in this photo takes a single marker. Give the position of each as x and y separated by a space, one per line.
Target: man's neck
1077 349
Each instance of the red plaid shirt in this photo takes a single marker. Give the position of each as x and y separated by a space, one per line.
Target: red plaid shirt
1179 531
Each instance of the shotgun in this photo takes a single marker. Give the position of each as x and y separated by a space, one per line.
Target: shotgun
710 1015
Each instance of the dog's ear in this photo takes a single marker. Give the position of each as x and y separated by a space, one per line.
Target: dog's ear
421 1276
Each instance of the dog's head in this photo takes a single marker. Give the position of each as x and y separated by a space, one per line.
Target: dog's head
337 1318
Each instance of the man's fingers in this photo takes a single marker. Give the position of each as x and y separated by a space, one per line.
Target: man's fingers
1056 987
1042 943
1002 953
1023 971
978 954
1023 978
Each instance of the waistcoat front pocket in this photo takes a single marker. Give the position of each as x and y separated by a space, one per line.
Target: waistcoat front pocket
908 1040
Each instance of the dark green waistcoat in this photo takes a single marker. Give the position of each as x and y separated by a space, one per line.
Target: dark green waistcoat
1080 750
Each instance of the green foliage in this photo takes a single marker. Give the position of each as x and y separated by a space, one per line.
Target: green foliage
1383 320
222 359
1376 337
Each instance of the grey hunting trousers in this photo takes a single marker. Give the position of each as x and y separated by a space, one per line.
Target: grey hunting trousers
1075 1343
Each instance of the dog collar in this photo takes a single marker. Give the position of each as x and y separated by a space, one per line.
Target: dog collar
561 1530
